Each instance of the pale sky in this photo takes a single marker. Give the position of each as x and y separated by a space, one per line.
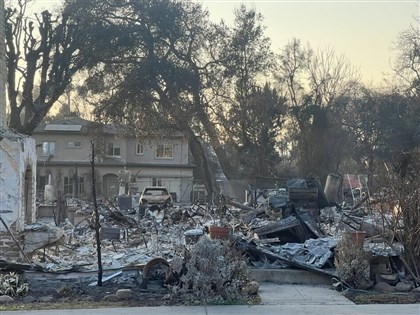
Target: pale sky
362 30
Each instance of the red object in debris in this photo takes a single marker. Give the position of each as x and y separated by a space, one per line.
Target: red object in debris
358 237
219 232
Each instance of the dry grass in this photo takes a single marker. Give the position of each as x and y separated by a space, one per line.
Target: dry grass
382 298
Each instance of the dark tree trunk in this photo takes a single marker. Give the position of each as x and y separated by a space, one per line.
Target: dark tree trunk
97 224
197 151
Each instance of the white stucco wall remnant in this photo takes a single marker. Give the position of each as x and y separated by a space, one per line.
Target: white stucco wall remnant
17 180
17 160
2 67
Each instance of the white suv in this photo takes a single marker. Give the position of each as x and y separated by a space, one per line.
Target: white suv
156 195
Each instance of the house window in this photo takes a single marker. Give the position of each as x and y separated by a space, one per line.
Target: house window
48 148
139 149
156 181
41 181
113 149
81 186
164 151
69 185
74 144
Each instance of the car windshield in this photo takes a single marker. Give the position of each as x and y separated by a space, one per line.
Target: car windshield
155 192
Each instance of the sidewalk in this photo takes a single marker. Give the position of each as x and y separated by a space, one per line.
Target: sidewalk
276 299
290 294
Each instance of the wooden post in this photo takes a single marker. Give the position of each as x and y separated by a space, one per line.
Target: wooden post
97 224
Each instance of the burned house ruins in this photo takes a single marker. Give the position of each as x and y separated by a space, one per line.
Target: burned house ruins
17 170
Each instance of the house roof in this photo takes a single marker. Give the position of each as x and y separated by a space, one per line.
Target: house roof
109 162
75 124
72 124
68 124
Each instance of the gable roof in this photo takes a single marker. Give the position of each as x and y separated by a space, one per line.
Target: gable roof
72 124
75 125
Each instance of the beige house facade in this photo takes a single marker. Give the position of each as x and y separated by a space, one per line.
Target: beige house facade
124 165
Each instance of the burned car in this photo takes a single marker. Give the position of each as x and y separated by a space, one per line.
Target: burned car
156 195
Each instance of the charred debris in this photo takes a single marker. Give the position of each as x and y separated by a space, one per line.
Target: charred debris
299 226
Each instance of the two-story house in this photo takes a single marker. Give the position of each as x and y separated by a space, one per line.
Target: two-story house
124 164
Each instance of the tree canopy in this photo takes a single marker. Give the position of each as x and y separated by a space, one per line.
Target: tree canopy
164 65
42 54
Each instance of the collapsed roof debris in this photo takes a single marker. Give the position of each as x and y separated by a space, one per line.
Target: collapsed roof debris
289 229
40 235
315 255
293 227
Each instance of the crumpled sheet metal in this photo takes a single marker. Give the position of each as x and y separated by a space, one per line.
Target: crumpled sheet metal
314 252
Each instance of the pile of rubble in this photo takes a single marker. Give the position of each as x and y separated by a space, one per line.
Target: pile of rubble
294 227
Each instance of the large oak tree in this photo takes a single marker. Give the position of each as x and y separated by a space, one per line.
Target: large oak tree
43 52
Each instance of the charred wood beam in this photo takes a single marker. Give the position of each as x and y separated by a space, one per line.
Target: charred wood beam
238 205
290 224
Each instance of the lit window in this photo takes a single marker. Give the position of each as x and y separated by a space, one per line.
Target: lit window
139 149
113 149
164 151
48 148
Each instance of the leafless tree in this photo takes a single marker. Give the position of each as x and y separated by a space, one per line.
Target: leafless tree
316 83
406 65
400 208
43 53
